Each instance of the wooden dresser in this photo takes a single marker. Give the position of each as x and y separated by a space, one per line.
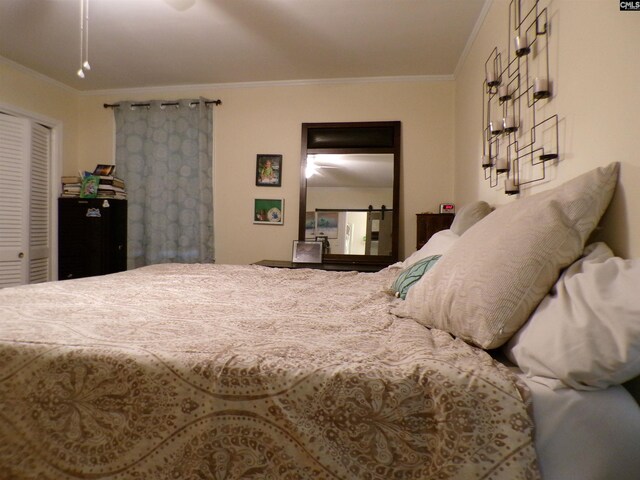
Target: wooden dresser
430 223
92 237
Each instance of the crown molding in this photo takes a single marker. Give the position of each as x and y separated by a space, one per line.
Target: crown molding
275 83
146 90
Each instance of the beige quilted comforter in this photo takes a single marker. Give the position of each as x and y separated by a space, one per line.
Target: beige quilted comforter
244 372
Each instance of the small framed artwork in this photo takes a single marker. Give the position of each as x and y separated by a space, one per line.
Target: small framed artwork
104 170
268 211
269 170
307 252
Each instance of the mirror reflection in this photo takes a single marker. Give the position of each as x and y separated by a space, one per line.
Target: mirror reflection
349 202
350 190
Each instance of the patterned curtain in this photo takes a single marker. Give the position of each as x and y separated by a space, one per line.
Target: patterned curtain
164 153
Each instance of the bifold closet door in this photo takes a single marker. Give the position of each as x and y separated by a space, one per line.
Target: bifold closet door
40 205
24 201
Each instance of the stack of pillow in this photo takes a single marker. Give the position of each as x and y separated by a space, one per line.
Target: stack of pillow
495 272
421 261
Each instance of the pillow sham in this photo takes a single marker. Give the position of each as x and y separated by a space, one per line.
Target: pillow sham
586 331
493 277
410 275
469 215
438 244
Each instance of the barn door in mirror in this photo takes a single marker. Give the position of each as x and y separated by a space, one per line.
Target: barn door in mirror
349 190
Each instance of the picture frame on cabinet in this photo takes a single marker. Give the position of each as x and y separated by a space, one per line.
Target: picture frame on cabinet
307 252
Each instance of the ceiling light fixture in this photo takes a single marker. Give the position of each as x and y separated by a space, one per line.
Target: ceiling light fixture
84 38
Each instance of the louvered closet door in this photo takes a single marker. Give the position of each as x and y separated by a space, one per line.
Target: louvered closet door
39 208
14 200
25 212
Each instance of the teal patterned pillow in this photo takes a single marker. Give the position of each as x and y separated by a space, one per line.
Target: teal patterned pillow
411 275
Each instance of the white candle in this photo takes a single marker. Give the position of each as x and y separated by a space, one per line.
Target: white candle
510 186
502 165
540 88
521 44
503 92
510 123
496 127
492 78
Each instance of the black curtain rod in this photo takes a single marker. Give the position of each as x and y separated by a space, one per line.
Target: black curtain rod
166 104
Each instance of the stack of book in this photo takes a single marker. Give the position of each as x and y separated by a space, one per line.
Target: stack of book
101 183
111 187
71 186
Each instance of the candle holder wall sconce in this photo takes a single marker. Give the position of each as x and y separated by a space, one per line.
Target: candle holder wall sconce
514 141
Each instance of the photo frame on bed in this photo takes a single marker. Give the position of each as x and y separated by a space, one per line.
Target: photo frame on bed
268 211
268 170
307 252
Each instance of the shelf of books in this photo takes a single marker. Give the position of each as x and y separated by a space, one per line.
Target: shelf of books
101 183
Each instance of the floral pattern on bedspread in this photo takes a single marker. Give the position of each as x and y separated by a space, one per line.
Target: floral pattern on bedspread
244 372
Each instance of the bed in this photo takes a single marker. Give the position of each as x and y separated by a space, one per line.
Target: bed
246 372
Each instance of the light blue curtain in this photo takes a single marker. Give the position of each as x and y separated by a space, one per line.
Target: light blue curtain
164 153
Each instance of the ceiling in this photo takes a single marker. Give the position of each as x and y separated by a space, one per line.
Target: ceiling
147 43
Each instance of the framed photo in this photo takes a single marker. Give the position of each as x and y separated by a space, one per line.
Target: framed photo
307 252
326 245
268 211
104 170
269 170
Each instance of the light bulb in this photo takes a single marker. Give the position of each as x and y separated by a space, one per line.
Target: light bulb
86 65
81 73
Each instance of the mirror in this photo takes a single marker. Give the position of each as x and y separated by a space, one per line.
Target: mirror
349 190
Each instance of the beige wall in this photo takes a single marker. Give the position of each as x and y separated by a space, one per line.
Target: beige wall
267 119
43 98
596 87
596 94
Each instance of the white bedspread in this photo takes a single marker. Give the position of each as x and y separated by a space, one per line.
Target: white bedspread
229 372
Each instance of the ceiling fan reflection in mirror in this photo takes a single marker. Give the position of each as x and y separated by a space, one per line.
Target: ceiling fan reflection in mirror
313 164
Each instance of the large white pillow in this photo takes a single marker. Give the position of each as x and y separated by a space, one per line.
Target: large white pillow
438 244
586 331
469 215
493 277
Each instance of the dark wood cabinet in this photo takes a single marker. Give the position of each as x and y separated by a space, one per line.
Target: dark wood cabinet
430 223
334 267
92 237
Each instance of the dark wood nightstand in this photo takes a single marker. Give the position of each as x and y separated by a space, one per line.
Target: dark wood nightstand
334 267
430 223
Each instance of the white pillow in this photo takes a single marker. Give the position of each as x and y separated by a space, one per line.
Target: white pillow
489 282
586 332
438 244
469 215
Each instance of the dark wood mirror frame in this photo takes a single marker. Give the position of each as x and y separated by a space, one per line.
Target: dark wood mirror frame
353 138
